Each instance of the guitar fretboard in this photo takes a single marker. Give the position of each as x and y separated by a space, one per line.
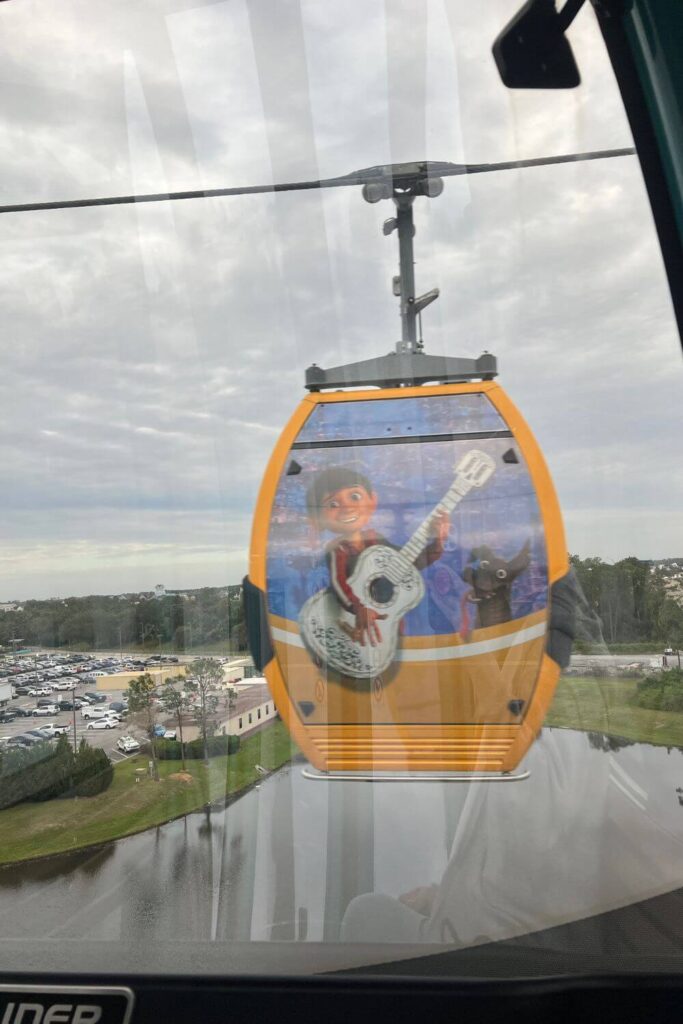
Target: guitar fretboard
473 470
419 540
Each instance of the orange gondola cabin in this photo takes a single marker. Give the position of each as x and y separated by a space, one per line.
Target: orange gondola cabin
407 591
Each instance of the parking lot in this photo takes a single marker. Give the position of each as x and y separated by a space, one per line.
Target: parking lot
104 738
29 679
79 682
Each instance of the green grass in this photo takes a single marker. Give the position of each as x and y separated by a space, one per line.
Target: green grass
39 829
602 705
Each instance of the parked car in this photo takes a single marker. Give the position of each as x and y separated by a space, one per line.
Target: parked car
52 730
22 712
22 741
41 734
104 723
7 715
91 712
97 698
127 744
45 712
22 691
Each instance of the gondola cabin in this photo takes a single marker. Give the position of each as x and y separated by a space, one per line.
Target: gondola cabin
406 543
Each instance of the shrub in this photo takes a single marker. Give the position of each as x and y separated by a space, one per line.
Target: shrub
93 772
662 691
38 773
217 746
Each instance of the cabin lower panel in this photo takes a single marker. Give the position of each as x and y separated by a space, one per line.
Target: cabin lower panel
440 709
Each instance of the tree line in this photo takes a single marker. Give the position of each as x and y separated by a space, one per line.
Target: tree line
628 602
180 622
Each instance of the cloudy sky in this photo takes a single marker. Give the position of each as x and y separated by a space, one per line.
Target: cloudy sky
152 354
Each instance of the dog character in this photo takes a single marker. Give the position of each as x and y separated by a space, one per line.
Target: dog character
491 579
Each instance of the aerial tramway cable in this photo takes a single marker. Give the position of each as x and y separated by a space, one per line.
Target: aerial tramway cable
370 175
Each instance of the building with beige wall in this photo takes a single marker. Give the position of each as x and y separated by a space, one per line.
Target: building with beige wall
254 707
122 680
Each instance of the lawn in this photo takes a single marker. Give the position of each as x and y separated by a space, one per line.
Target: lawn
37 829
602 705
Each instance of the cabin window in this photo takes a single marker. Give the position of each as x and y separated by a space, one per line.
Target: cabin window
158 351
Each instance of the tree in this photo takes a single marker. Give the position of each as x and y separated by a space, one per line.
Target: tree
175 702
93 772
141 697
205 676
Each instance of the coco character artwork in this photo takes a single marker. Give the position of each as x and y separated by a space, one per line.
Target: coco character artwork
353 626
405 558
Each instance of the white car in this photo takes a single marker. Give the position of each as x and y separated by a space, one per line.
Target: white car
55 730
104 723
127 744
45 712
95 712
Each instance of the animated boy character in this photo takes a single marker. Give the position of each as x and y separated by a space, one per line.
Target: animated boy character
343 501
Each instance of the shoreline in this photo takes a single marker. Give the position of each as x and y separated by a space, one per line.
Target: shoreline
219 804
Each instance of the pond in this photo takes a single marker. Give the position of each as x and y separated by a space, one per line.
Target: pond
301 876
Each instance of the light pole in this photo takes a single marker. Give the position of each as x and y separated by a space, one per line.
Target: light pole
73 711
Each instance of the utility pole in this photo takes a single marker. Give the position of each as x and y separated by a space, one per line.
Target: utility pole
73 711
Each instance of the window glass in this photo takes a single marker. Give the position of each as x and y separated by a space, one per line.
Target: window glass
155 350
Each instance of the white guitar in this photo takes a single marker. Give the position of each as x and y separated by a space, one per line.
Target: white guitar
385 580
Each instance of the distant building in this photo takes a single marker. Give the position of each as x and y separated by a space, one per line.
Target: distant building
11 606
254 707
160 591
